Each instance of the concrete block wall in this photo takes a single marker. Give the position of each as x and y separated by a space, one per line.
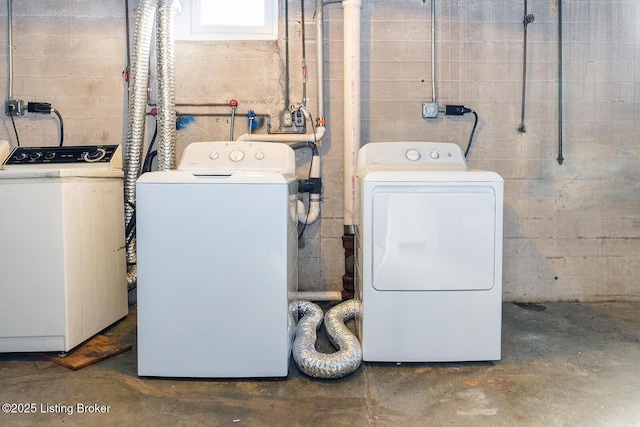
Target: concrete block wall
572 232
71 54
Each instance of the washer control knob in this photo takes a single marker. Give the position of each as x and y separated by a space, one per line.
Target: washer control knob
213 155
94 155
236 155
413 154
434 155
259 155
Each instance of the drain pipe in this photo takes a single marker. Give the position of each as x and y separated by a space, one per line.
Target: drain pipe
316 135
352 108
321 296
352 111
320 61
312 215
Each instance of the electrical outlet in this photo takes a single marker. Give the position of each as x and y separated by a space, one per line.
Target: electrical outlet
14 107
298 118
429 110
287 119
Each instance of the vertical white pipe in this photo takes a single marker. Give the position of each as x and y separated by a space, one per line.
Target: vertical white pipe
352 108
320 59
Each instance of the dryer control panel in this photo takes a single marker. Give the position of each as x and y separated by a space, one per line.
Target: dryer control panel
411 155
105 156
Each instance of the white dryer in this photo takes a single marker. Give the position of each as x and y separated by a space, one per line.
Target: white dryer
217 262
428 254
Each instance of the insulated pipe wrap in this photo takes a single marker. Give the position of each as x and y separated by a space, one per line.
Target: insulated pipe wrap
166 85
319 365
138 81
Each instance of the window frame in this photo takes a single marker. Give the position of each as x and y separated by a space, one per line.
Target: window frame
187 26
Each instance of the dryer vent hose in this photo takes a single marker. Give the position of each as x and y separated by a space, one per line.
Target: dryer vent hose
321 365
136 116
149 13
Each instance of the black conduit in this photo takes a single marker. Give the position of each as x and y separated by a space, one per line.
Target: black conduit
528 19
560 157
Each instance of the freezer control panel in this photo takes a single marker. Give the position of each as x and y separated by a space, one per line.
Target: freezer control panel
86 155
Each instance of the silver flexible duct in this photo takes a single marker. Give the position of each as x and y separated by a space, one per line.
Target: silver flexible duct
138 82
166 85
319 365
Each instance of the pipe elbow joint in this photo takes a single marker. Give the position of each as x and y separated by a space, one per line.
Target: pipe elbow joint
312 215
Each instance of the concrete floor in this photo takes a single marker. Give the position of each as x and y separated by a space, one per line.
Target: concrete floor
565 364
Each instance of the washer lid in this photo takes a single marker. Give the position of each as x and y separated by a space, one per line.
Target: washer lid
194 177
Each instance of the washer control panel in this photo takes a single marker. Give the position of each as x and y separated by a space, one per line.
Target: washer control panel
234 156
85 155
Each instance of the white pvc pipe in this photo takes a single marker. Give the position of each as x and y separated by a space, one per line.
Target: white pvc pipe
285 137
312 216
323 296
320 59
352 108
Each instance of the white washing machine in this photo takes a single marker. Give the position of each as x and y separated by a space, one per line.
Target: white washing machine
428 254
217 262
62 257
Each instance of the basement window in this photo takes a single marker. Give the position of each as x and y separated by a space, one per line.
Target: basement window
227 20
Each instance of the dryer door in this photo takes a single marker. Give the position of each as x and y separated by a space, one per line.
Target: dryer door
434 237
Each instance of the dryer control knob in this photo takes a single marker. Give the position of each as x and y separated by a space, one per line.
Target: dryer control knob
413 154
259 155
434 155
214 155
236 155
